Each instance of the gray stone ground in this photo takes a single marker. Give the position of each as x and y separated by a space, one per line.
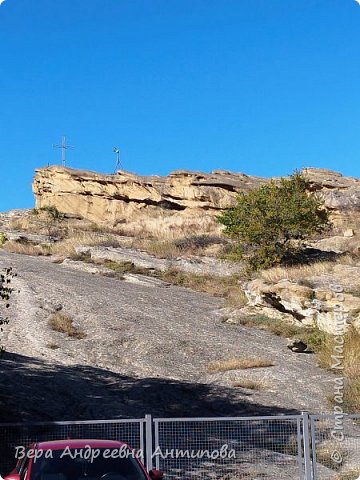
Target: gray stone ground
147 350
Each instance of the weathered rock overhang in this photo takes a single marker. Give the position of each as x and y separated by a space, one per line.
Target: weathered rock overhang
121 196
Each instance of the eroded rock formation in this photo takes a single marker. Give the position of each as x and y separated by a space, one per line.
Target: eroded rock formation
113 198
123 196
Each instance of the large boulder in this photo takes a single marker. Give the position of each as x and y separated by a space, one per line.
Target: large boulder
322 300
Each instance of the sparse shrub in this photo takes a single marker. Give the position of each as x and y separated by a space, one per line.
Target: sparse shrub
60 322
270 223
198 242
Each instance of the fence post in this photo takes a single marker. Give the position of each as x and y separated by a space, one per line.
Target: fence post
157 443
148 442
307 447
313 443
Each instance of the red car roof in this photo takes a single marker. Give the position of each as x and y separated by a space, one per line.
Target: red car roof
79 443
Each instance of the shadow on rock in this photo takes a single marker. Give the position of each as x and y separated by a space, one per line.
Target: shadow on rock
36 390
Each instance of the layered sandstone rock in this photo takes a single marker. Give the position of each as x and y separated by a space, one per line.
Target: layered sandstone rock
125 197
113 198
340 194
328 300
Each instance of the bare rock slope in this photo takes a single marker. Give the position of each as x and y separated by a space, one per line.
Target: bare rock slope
147 350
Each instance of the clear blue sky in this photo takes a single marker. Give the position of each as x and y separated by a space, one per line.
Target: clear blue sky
257 86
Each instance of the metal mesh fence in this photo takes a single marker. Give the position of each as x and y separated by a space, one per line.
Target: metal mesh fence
257 447
223 448
335 446
13 435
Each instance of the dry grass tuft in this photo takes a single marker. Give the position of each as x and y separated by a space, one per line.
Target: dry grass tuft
251 384
60 322
124 267
348 260
162 249
310 335
296 273
212 245
67 247
352 395
324 454
46 221
169 226
238 364
348 475
235 297
26 248
304 272
27 223
351 361
201 244
351 366
226 287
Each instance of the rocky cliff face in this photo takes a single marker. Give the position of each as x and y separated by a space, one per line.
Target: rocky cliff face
340 194
120 196
123 196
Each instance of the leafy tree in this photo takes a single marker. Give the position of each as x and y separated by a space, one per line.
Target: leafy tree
271 222
5 293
